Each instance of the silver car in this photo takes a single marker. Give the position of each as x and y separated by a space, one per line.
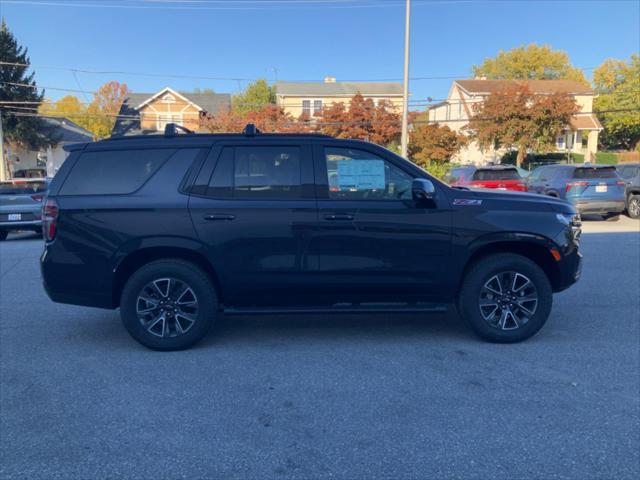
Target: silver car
21 205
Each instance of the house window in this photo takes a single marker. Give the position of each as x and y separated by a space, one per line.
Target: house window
306 107
164 118
317 107
448 117
460 109
168 98
560 142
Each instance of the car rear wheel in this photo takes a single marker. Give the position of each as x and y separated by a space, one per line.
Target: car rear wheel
505 298
3 235
633 206
168 305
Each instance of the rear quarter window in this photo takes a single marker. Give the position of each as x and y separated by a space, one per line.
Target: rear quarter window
497 174
114 172
589 172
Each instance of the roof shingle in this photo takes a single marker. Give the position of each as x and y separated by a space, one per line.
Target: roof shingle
328 89
536 86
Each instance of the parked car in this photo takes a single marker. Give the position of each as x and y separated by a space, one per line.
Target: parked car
502 177
21 205
630 174
593 189
176 228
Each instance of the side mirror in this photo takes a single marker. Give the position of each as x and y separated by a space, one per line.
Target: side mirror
422 189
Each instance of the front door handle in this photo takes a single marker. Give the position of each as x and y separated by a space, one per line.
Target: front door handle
338 217
219 216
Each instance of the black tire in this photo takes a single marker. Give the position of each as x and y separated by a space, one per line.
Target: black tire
185 323
3 235
611 217
633 206
474 285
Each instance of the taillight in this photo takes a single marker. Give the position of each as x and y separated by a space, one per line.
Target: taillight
620 183
49 219
576 184
521 186
37 198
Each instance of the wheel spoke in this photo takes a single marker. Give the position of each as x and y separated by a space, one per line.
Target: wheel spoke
495 280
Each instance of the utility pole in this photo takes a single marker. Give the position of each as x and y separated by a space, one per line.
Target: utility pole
404 139
3 163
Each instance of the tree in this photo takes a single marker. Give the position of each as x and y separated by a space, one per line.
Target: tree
529 63
254 97
516 118
363 119
69 107
618 86
268 118
20 125
104 108
433 143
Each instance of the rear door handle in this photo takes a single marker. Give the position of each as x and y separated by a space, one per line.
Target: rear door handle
219 216
338 217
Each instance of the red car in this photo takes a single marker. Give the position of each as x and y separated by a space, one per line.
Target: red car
500 177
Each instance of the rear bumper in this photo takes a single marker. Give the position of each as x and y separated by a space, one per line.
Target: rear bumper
65 280
599 206
34 225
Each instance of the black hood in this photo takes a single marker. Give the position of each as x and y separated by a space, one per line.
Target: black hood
519 200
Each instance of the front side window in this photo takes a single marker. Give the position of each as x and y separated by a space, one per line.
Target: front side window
360 175
257 172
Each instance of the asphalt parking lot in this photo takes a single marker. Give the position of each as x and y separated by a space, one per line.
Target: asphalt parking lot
348 396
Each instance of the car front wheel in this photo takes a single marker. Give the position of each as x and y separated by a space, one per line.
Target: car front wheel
505 298
633 206
168 304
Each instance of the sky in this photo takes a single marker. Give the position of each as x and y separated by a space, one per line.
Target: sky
232 42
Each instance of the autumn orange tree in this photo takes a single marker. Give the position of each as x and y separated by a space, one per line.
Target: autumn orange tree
516 118
433 143
362 119
268 118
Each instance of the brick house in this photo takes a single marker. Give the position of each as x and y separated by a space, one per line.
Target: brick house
579 137
150 112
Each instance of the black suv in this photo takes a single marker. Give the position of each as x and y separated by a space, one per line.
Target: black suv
176 228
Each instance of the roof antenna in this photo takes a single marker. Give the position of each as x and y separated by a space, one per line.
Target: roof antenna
250 130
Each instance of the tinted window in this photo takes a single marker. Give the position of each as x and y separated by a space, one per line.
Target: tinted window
113 171
628 172
496 174
358 175
455 175
591 172
22 188
257 172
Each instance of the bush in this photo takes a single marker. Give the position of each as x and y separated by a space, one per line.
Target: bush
438 169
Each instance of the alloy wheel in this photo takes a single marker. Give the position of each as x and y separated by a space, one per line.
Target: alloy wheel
634 207
167 307
508 300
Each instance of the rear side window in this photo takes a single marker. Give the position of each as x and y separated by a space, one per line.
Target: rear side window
456 175
628 172
603 172
496 174
22 188
257 172
114 171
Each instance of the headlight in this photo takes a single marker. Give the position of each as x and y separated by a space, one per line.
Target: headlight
571 220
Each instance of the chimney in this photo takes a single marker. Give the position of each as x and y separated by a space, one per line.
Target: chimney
329 79
480 78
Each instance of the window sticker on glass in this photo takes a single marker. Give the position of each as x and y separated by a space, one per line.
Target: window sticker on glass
361 175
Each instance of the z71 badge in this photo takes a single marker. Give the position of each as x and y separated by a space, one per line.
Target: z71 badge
466 202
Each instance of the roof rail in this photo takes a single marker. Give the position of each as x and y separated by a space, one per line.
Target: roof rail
250 130
171 129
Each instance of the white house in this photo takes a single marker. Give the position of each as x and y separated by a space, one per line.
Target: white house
579 137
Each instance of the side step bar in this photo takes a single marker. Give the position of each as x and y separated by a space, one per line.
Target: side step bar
342 308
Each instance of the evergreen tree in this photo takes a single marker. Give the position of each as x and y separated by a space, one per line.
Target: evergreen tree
18 129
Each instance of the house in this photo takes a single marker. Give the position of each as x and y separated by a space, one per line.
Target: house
308 98
22 161
579 137
150 112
